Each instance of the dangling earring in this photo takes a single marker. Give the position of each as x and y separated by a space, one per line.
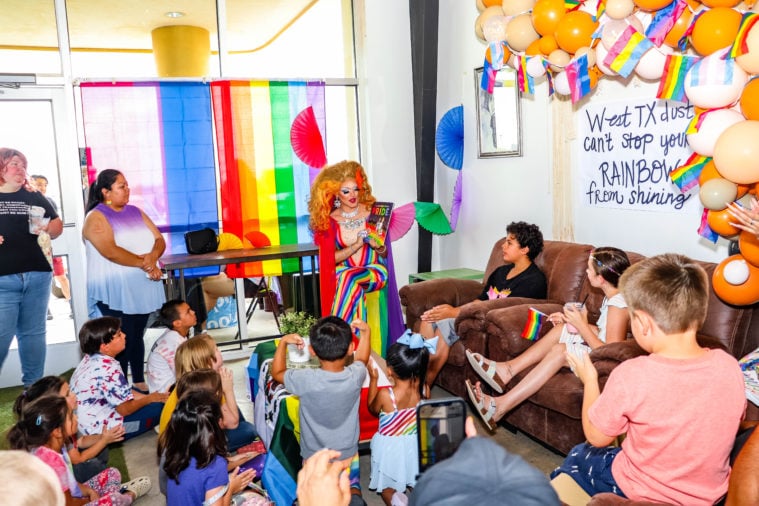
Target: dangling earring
337 202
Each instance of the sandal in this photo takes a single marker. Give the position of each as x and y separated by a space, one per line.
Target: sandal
485 413
138 486
486 368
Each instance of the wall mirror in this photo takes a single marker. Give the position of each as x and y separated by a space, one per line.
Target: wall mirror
499 122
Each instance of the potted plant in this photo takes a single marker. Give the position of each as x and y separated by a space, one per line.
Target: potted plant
296 322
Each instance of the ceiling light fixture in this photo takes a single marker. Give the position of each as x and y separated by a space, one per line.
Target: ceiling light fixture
174 14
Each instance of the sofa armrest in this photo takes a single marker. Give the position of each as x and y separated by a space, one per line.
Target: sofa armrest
617 352
419 297
505 325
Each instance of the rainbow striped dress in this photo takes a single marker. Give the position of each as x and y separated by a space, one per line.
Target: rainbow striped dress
395 462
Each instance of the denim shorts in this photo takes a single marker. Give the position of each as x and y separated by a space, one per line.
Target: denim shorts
590 467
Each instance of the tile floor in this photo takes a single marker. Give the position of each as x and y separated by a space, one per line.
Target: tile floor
141 454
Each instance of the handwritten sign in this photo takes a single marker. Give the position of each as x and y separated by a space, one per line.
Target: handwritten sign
627 150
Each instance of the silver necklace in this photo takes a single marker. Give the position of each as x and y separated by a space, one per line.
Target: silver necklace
352 224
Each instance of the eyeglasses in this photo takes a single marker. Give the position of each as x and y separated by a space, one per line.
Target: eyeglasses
601 265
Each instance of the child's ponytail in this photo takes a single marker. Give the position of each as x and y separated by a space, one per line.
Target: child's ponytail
39 418
410 356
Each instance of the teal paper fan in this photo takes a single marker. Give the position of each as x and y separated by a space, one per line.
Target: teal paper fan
449 138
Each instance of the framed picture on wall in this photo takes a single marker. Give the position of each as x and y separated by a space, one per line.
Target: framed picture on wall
499 119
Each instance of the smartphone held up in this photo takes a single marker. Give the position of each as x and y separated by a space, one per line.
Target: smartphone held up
440 429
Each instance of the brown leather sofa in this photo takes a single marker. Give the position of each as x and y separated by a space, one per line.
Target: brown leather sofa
553 414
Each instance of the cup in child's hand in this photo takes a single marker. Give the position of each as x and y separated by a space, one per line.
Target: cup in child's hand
570 305
37 220
297 355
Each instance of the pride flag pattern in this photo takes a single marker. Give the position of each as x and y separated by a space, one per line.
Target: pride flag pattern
672 85
160 136
264 186
686 176
532 327
625 54
578 78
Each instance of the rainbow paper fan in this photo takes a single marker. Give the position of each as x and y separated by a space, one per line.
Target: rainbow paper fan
401 220
432 218
449 138
456 203
306 139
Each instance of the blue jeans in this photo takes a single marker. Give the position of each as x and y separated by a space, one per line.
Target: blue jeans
23 308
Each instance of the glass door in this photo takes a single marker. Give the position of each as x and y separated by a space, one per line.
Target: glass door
40 123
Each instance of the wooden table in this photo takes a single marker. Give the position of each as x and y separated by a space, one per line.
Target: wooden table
176 284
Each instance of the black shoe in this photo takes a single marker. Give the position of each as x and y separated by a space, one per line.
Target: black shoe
357 500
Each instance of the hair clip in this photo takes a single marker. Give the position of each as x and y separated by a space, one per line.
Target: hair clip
39 420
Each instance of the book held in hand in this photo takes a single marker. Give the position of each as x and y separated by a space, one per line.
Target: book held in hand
378 221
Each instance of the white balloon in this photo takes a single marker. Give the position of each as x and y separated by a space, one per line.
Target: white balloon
535 66
714 123
711 91
619 9
736 272
494 29
561 83
651 65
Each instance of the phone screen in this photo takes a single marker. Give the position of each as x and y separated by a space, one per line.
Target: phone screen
440 429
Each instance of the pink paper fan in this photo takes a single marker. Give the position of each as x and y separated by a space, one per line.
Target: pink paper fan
456 203
306 139
401 220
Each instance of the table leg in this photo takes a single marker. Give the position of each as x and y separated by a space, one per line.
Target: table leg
242 320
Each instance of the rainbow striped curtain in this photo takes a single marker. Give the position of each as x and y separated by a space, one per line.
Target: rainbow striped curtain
264 186
160 135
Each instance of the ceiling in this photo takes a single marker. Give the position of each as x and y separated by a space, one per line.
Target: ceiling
126 24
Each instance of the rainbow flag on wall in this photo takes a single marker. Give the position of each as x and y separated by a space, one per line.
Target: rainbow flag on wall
672 85
686 176
160 135
532 327
264 186
627 51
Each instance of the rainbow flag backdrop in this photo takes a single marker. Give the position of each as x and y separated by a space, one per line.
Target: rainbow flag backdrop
532 327
264 186
672 85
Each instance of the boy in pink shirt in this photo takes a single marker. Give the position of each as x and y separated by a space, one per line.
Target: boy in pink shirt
680 406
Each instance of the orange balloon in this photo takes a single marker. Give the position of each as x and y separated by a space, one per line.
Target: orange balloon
750 100
721 3
491 3
708 172
739 295
546 15
575 30
505 58
715 29
534 49
593 74
743 189
548 44
749 246
651 5
719 221
678 29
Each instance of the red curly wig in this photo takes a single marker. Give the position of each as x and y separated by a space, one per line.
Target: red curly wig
326 186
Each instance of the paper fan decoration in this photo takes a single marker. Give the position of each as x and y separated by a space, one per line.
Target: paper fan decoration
306 139
432 218
449 138
401 220
456 203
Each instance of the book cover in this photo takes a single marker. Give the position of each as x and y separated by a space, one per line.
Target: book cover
378 221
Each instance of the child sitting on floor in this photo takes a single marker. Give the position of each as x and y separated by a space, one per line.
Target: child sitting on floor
104 397
329 395
680 406
42 430
395 456
88 454
160 372
195 448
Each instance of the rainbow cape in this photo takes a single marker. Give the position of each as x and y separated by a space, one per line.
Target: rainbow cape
672 85
531 328
627 51
264 186
686 176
